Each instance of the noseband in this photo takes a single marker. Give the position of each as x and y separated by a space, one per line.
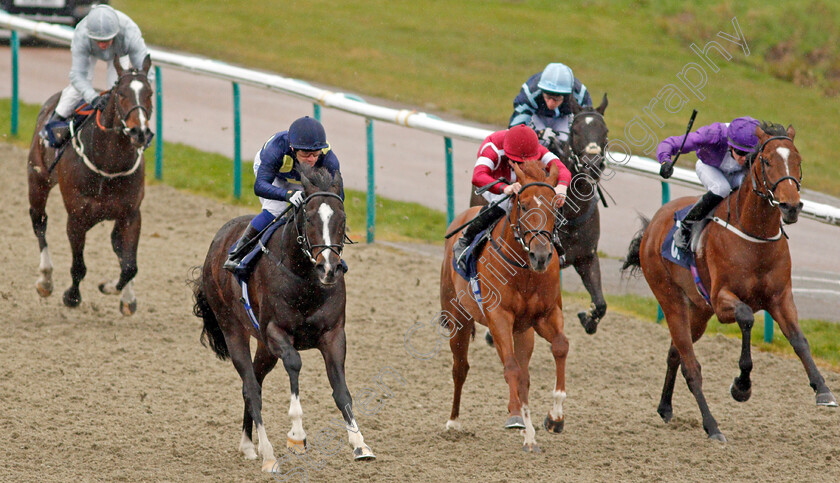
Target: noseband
518 232
124 116
303 238
770 188
577 163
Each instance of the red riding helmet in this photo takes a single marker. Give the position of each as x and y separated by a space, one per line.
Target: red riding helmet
521 144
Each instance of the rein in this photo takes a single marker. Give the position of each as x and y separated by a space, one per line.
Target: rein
303 239
770 196
518 233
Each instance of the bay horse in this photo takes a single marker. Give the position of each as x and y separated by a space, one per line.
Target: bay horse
101 178
580 230
298 298
521 278
744 262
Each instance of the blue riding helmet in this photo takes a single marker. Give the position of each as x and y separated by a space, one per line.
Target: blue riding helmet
307 134
557 78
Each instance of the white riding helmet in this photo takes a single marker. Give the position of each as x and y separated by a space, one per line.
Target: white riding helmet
102 23
557 79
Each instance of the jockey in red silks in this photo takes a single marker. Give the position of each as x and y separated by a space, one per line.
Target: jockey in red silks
517 144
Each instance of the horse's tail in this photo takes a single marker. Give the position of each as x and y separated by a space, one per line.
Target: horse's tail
633 261
211 333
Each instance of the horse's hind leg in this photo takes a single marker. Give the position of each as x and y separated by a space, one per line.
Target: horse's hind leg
551 329
333 348
785 315
264 362
665 409
589 270
459 344
39 191
124 239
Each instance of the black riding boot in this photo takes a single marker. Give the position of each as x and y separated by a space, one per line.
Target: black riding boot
703 207
482 221
235 256
58 135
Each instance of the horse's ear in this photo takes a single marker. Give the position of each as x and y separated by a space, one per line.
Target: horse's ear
603 106
762 136
118 66
574 104
553 174
791 132
147 63
516 169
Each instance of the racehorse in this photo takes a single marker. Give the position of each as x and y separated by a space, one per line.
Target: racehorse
743 260
101 178
297 294
580 228
520 275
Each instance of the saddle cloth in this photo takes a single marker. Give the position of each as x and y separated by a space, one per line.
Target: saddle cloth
685 258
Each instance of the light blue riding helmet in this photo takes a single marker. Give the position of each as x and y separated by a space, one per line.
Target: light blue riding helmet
102 23
557 78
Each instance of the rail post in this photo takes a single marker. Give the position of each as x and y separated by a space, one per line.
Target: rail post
666 197
158 124
15 47
237 144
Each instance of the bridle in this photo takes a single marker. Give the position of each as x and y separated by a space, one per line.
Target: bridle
123 117
303 238
769 188
577 163
518 232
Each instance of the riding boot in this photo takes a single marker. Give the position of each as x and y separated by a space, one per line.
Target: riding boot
705 205
235 256
482 221
58 134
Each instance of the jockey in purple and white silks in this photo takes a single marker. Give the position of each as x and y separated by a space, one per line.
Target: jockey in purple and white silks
544 102
277 180
722 150
103 34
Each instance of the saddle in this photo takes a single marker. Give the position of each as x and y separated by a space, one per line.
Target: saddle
58 132
685 258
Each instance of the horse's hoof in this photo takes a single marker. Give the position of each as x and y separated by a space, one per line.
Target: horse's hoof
531 448
826 399
453 425
268 466
718 437
295 446
665 413
128 308
363 453
515 422
590 325
72 299
488 338
44 289
553 426
739 394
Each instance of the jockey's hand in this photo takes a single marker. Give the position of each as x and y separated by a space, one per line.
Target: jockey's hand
666 170
100 102
559 195
512 188
295 198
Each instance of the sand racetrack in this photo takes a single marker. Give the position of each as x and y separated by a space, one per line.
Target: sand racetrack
89 395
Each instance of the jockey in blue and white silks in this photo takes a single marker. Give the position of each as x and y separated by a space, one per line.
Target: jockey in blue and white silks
277 180
544 101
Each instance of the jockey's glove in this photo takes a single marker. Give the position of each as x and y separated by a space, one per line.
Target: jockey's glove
99 102
295 198
666 170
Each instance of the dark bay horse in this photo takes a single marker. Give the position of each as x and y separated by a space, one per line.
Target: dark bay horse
743 261
101 177
519 275
580 230
297 293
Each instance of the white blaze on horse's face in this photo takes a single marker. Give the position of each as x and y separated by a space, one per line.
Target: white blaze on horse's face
588 119
137 86
785 154
325 212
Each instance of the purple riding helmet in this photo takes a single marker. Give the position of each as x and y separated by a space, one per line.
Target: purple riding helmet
741 133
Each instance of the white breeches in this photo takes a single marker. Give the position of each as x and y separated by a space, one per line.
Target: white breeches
70 96
491 197
717 181
275 207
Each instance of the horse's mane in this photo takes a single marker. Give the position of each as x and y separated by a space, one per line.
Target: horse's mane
534 169
319 177
773 129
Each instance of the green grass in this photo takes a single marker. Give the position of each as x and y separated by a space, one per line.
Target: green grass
468 58
211 175
823 336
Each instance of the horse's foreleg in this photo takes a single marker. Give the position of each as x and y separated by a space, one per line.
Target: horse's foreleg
39 190
264 362
784 313
280 345
523 348
459 344
76 233
124 239
333 348
589 269
730 308
240 354
551 329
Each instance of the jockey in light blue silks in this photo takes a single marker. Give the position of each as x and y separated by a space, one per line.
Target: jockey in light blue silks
277 180
544 102
103 34
722 150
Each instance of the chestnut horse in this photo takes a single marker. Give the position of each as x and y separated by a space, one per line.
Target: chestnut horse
101 178
298 298
744 262
519 275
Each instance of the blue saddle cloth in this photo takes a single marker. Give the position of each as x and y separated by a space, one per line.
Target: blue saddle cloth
683 258
470 270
